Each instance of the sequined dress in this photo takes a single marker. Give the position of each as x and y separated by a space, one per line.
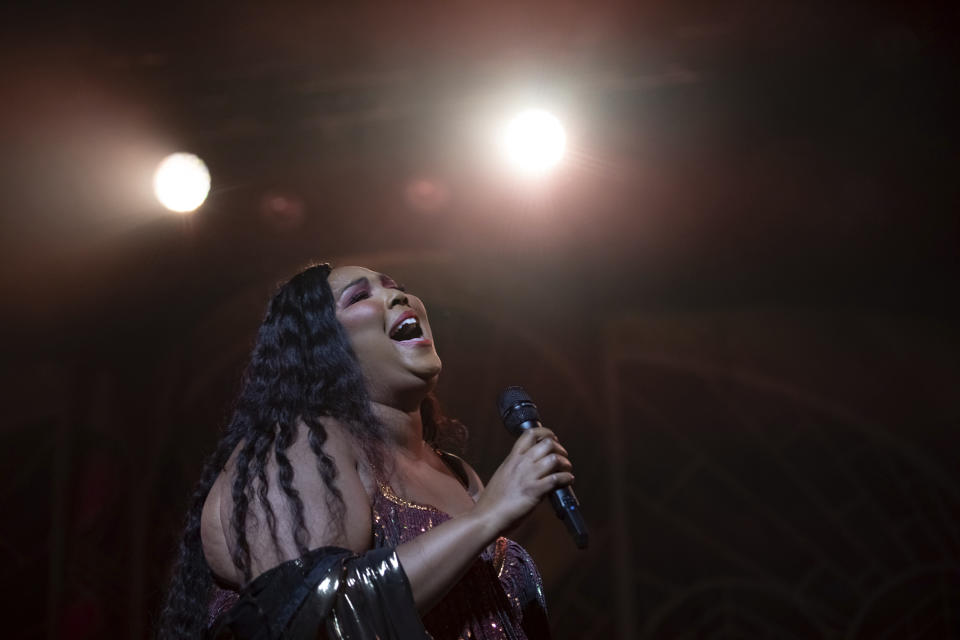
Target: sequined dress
499 598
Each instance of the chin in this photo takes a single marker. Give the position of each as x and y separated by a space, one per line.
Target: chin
426 367
430 375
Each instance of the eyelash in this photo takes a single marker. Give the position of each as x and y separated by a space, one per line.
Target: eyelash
360 295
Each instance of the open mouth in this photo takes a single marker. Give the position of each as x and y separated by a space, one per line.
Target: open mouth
407 329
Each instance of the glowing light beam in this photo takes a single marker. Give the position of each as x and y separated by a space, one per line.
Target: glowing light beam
181 182
534 141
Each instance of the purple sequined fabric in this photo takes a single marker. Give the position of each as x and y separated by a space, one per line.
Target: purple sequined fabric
490 601
500 597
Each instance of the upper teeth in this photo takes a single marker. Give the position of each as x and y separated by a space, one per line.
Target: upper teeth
408 321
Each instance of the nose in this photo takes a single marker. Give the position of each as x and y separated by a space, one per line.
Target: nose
398 298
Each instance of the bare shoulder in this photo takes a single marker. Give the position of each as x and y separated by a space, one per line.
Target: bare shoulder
326 521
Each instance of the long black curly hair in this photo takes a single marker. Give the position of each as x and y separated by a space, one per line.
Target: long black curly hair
302 368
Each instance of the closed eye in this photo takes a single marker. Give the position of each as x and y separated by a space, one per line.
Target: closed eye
358 296
362 290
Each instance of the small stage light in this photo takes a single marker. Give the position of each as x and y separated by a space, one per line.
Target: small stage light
181 182
534 141
427 195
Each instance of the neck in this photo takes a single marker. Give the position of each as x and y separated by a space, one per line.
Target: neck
404 429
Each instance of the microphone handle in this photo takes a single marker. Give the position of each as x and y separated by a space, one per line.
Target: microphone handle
565 504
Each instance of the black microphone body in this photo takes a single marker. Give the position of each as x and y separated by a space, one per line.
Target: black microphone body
519 413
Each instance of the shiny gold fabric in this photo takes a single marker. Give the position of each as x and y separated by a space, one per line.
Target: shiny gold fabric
328 593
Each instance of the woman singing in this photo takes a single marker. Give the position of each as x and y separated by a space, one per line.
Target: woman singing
329 509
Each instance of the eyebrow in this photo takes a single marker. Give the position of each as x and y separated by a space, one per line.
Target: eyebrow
385 280
355 282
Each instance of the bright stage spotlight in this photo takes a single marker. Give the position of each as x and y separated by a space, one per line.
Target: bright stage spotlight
181 182
534 141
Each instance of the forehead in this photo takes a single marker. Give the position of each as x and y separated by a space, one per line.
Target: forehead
342 276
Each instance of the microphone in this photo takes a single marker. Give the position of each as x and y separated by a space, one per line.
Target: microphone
519 414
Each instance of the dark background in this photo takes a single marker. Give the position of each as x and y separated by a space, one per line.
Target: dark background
736 300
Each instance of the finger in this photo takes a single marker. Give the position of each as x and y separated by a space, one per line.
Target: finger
546 447
552 464
531 437
526 440
555 481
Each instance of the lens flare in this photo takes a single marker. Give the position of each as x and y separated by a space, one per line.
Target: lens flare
181 182
534 141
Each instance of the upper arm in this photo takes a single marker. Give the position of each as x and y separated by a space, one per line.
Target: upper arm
320 508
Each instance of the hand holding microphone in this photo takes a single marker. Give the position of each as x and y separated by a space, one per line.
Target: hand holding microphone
536 465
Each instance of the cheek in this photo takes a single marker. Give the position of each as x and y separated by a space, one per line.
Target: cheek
360 317
360 320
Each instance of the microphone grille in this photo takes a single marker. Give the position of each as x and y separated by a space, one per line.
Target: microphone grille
516 407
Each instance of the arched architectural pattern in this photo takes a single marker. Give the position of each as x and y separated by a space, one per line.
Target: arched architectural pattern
768 488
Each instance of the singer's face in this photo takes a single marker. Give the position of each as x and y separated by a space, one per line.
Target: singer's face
388 330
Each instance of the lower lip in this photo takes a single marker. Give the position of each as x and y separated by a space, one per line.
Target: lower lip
416 342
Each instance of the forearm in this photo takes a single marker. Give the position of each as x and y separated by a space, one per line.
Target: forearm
435 560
